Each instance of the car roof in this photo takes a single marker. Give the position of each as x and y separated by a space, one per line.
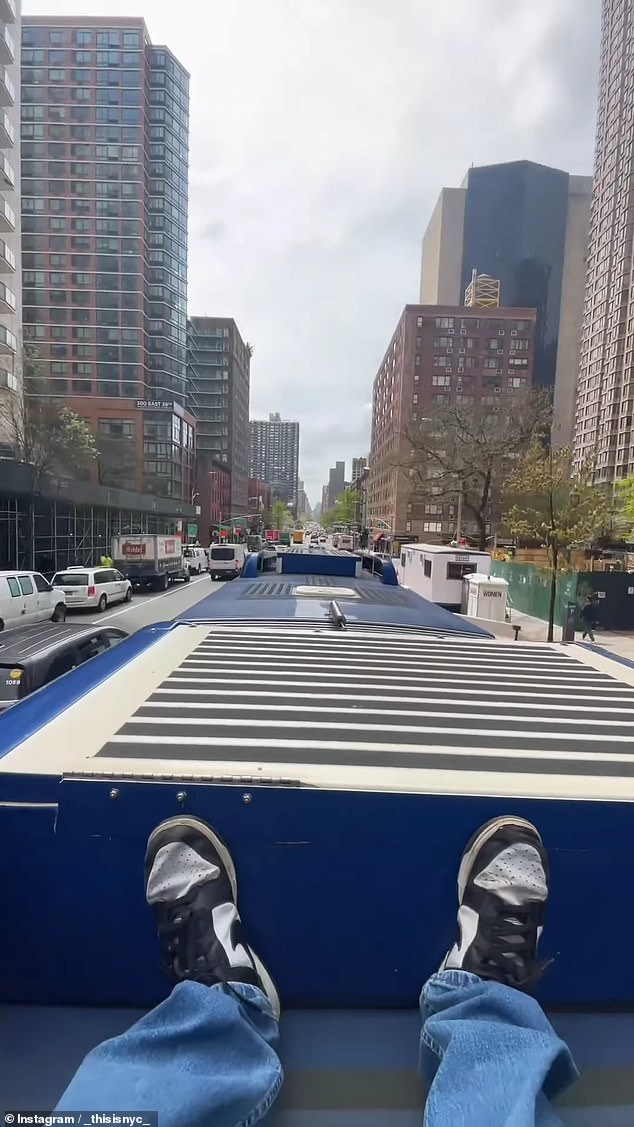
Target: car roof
16 646
88 567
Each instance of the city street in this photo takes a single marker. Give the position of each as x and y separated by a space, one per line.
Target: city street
151 607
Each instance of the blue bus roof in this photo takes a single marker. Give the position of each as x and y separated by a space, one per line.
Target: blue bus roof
300 584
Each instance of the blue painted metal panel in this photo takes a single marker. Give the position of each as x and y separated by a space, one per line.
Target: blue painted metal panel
349 896
396 606
303 563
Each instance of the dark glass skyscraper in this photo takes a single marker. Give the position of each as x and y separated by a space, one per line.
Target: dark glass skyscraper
105 122
515 230
526 225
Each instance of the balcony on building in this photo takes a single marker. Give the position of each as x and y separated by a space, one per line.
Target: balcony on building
7 216
7 299
8 379
8 12
7 132
7 45
7 259
7 173
7 89
8 341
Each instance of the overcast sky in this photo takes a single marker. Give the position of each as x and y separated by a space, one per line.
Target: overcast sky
321 134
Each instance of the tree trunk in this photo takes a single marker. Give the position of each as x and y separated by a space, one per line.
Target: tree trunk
553 593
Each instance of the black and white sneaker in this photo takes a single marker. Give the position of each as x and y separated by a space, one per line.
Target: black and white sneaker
190 884
502 892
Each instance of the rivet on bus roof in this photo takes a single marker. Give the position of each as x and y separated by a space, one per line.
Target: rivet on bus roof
181 796
246 797
114 793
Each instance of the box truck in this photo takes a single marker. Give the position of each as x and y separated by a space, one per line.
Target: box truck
150 561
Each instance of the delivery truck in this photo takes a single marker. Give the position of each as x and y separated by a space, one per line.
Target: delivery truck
150 561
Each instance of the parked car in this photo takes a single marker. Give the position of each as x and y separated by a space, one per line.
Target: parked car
92 587
226 560
33 656
195 558
27 597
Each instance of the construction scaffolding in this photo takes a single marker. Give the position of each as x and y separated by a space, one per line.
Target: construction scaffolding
47 536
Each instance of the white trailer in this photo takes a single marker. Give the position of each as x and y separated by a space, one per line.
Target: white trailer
436 571
150 561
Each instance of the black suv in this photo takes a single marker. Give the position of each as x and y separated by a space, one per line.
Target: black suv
33 656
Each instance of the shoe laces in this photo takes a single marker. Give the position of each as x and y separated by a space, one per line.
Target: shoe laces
510 934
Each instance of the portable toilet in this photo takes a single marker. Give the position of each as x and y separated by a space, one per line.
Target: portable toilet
486 596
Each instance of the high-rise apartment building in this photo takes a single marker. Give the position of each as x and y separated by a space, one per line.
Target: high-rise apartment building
218 368
105 118
605 399
10 269
275 456
336 483
439 356
526 225
358 466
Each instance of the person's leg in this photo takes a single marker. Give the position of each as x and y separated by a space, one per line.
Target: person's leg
487 1049
206 1055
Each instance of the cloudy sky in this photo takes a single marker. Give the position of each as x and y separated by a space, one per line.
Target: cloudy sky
321 134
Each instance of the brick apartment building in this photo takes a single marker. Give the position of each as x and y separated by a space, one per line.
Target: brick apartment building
439 355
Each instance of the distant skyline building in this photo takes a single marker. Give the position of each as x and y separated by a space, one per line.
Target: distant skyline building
275 456
439 356
303 504
526 225
105 128
10 249
218 370
358 466
603 425
336 483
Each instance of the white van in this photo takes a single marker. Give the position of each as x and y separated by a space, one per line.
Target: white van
27 597
195 558
226 560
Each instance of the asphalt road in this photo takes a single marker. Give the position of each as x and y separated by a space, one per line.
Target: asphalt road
150 607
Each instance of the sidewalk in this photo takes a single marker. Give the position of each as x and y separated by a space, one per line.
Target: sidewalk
535 630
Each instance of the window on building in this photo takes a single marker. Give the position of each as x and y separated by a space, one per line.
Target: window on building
441 381
431 526
442 361
444 322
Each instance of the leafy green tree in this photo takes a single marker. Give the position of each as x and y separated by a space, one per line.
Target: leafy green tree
347 507
555 508
52 439
280 514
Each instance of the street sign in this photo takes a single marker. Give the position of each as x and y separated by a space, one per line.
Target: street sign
192 530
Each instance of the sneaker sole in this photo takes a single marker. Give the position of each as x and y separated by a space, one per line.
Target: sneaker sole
225 856
480 838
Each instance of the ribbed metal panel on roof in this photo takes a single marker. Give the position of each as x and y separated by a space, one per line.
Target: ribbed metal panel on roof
384 699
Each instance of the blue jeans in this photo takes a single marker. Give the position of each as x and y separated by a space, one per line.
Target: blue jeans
206 1057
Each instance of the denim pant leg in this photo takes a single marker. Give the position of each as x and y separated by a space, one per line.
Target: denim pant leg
206 1055
490 1054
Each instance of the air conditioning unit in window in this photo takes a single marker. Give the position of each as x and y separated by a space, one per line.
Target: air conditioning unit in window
463 332
500 332
450 332
499 371
513 332
462 350
450 350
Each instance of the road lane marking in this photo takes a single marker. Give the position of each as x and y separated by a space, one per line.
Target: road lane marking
132 605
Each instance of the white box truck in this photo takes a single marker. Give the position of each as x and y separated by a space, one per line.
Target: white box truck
150 561
436 571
